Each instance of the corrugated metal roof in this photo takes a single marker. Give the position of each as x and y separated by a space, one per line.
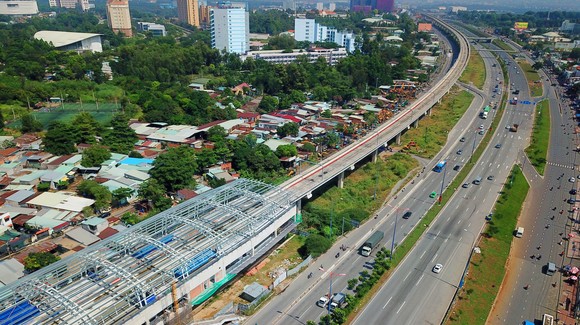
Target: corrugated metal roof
61 201
10 271
20 195
59 39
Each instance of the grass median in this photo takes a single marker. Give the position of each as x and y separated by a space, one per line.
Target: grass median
501 44
483 280
475 71
533 78
538 150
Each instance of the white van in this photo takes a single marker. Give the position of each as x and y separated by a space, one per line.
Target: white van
550 268
520 232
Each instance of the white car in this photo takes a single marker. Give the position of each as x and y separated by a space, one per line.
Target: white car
481 127
322 301
571 179
437 268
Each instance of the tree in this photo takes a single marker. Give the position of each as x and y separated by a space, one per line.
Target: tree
286 150
95 156
316 245
175 168
96 191
130 218
217 134
537 65
121 195
121 138
308 147
30 124
268 104
36 261
86 127
154 192
287 129
60 138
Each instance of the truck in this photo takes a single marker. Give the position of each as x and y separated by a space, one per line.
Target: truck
338 301
514 128
483 115
371 243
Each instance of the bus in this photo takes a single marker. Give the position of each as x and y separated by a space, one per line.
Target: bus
439 167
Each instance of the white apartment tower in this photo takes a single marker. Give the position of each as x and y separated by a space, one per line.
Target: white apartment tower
309 30
230 29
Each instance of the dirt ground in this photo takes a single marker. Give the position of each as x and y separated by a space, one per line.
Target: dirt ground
285 257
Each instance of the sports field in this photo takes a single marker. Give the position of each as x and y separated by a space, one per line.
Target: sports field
103 114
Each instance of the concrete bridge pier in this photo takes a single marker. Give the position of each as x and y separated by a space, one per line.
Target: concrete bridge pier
416 123
398 139
341 180
375 156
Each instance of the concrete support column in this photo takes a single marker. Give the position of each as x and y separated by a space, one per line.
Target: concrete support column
398 139
375 155
341 180
416 124
429 111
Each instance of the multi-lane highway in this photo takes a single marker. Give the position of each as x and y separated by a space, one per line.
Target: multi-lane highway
546 199
416 295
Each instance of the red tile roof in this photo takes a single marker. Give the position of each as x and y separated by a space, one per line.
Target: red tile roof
107 232
8 151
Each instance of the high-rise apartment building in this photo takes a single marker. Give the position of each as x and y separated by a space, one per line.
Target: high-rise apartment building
70 4
230 29
18 7
332 6
188 11
311 31
319 6
369 5
118 17
204 15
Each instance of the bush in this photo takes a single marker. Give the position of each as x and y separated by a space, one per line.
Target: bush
316 245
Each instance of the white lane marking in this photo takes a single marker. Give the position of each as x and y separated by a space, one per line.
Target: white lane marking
405 279
387 302
403 304
421 278
422 255
434 256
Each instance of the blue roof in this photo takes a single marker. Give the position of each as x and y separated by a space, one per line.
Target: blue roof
136 161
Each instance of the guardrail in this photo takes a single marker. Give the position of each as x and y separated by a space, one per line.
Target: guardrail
352 154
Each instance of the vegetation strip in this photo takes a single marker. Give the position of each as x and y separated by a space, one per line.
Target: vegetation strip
475 71
538 150
483 280
434 129
503 45
533 78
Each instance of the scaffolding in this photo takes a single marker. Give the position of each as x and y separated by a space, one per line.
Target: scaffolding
114 280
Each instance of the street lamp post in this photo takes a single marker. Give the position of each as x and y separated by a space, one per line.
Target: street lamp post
473 148
394 233
442 184
330 289
462 281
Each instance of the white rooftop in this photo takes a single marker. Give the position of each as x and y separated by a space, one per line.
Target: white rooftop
59 39
61 201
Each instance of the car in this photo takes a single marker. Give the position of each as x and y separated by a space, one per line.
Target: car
462 139
490 178
459 152
456 167
571 201
573 191
497 146
507 127
481 127
481 132
437 268
465 185
407 215
433 194
489 217
105 215
571 179
496 79
322 301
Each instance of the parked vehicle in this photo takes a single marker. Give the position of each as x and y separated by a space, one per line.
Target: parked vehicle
322 301
338 301
371 243
514 128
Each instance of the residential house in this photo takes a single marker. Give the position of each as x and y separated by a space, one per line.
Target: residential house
20 198
37 159
95 225
10 271
28 141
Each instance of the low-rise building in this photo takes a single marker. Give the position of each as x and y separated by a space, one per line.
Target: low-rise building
69 41
153 28
332 56
18 7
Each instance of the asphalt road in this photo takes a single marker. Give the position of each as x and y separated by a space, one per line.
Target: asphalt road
416 295
546 199
297 303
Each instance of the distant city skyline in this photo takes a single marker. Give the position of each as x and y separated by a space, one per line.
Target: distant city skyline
516 5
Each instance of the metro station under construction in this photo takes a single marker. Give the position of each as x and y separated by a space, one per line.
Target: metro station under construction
179 256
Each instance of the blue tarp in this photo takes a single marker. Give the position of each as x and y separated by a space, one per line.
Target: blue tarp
527 322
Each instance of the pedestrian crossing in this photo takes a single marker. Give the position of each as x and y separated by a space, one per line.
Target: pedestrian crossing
566 166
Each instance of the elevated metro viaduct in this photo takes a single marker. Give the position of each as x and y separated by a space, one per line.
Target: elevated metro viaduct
181 254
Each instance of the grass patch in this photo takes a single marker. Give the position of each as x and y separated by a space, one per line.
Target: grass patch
503 45
431 135
538 149
103 114
533 78
356 201
475 71
483 281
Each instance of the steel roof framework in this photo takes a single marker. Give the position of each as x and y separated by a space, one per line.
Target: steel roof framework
106 283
